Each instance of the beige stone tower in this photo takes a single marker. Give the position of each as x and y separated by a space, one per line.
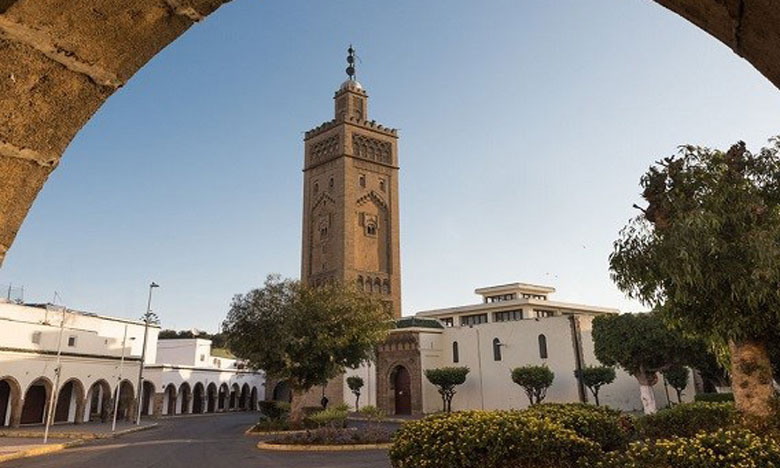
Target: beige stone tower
350 199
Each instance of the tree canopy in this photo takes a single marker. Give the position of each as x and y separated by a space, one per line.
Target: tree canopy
355 383
446 379
535 380
305 335
705 253
595 377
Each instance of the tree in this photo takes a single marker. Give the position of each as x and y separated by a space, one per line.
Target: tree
595 377
355 383
705 252
642 346
677 377
446 379
305 336
535 380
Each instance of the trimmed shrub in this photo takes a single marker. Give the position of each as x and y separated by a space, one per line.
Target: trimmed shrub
535 380
686 420
715 397
274 410
489 439
332 417
333 436
609 428
722 448
373 414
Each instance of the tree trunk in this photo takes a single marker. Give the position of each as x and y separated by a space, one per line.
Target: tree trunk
751 378
357 402
596 397
296 408
646 392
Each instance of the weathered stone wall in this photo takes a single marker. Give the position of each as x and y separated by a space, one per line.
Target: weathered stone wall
400 349
751 28
60 61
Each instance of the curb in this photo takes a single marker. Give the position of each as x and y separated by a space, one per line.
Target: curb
38 451
322 448
391 420
75 435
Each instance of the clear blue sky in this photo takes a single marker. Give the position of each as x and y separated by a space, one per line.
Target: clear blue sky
525 127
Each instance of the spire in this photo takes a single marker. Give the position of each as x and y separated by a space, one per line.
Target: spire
351 73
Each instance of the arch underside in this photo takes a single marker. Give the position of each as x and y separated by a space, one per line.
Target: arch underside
62 60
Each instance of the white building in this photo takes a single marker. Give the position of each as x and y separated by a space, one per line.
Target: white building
94 363
513 325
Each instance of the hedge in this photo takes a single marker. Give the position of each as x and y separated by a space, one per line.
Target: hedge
686 420
609 428
490 439
737 448
714 397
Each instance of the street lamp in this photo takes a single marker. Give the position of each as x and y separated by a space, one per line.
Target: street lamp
149 317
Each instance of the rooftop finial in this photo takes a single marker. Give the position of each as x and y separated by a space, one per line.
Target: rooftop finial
351 64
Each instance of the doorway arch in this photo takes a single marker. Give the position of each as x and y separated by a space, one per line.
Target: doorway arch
98 402
126 401
36 401
70 402
282 392
10 402
222 398
198 395
147 399
169 399
184 397
211 398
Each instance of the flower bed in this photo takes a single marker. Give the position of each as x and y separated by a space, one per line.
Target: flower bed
334 436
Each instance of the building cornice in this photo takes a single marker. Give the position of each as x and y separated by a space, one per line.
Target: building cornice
68 354
563 307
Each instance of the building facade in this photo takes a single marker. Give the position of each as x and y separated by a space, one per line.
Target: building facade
350 199
99 358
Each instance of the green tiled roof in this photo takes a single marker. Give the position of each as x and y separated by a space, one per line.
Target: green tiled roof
416 322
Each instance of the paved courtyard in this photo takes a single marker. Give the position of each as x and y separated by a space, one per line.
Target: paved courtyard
204 441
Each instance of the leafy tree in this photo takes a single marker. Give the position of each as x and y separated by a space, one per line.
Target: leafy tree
446 379
535 380
595 377
705 252
642 346
677 377
305 336
355 383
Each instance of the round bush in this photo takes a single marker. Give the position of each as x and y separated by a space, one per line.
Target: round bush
489 439
686 420
737 448
609 428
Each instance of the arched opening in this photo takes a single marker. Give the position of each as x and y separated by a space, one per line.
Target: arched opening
243 401
222 398
401 383
542 346
211 398
253 399
70 402
147 399
184 398
282 392
36 401
234 396
125 410
10 402
455 352
99 400
496 349
198 395
169 400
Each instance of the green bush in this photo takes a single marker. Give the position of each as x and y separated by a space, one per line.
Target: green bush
373 414
714 397
489 439
609 428
535 380
723 448
274 410
686 420
332 417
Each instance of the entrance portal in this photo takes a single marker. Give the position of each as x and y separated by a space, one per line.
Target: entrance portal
402 385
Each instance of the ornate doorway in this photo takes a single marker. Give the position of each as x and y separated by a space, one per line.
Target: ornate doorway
402 386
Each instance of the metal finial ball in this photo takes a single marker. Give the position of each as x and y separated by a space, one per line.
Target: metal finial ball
351 71
351 50
350 59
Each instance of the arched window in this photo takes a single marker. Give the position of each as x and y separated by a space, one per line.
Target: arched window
331 183
382 185
542 346
377 285
371 229
496 349
455 354
316 187
385 287
362 180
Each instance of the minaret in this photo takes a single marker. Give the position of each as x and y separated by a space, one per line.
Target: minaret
350 198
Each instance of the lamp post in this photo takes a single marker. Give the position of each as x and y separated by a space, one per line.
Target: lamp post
148 318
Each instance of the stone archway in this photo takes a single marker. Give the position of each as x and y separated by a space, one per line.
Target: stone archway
211 398
222 398
401 385
70 402
10 402
198 396
234 391
126 408
243 399
147 399
184 398
253 399
98 402
36 401
169 400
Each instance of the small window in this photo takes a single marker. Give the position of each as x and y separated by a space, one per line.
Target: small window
331 183
362 181
382 185
455 355
371 229
71 341
202 357
447 322
316 187
323 232
36 337
542 346
476 319
496 349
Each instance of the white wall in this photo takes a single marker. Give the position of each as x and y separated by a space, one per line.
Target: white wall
368 393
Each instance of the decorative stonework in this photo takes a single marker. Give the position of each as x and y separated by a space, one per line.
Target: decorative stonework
400 349
372 149
324 150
